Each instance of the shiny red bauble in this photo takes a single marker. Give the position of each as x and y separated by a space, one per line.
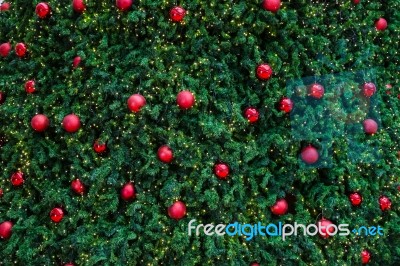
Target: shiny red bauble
20 49
177 14
385 203
263 72
165 154
272 5
5 49
128 191
5 6
40 122
77 186
368 89
56 215
69 264
30 86
370 126
286 105
99 147
309 154
254 263
325 228
6 229
356 2
355 198
280 207
76 62
17 179
185 100
1 193
71 123
42 10
221 170
251 114
365 256
78 6
177 210
136 102
316 91
3 97
123 5
381 24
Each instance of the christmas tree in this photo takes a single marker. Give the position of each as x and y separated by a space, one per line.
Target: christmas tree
123 121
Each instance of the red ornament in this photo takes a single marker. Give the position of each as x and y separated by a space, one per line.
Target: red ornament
123 5
324 230
356 2
365 256
370 126
78 6
177 14
263 72
2 97
368 89
316 91
17 179
286 105
77 186
385 203
5 49
6 229
99 147
20 49
221 170
30 86
185 100
1 193
76 62
251 114
254 263
128 191
5 6
136 102
280 207
71 123
355 199
177 210
309 154
56 215
42 10
272 5
69 264
40 122
165 154
381 24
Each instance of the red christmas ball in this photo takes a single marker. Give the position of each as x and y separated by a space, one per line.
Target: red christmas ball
385 203
136 102
5 49
6 229
309 154
286 105
370 126
2 97
124 5
280 207
185 100
77 186
78 6
42 10
99 147
40 122
20 49
69 264
355 198
177 14
128 191
177 210
76 62
30 86
381 24
251 114
368 89
71 123
221 170
254 263
56 215
1 193
5 6
365 256
324 229
316 91
356 2
17 179
165 154
272 5
263 72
